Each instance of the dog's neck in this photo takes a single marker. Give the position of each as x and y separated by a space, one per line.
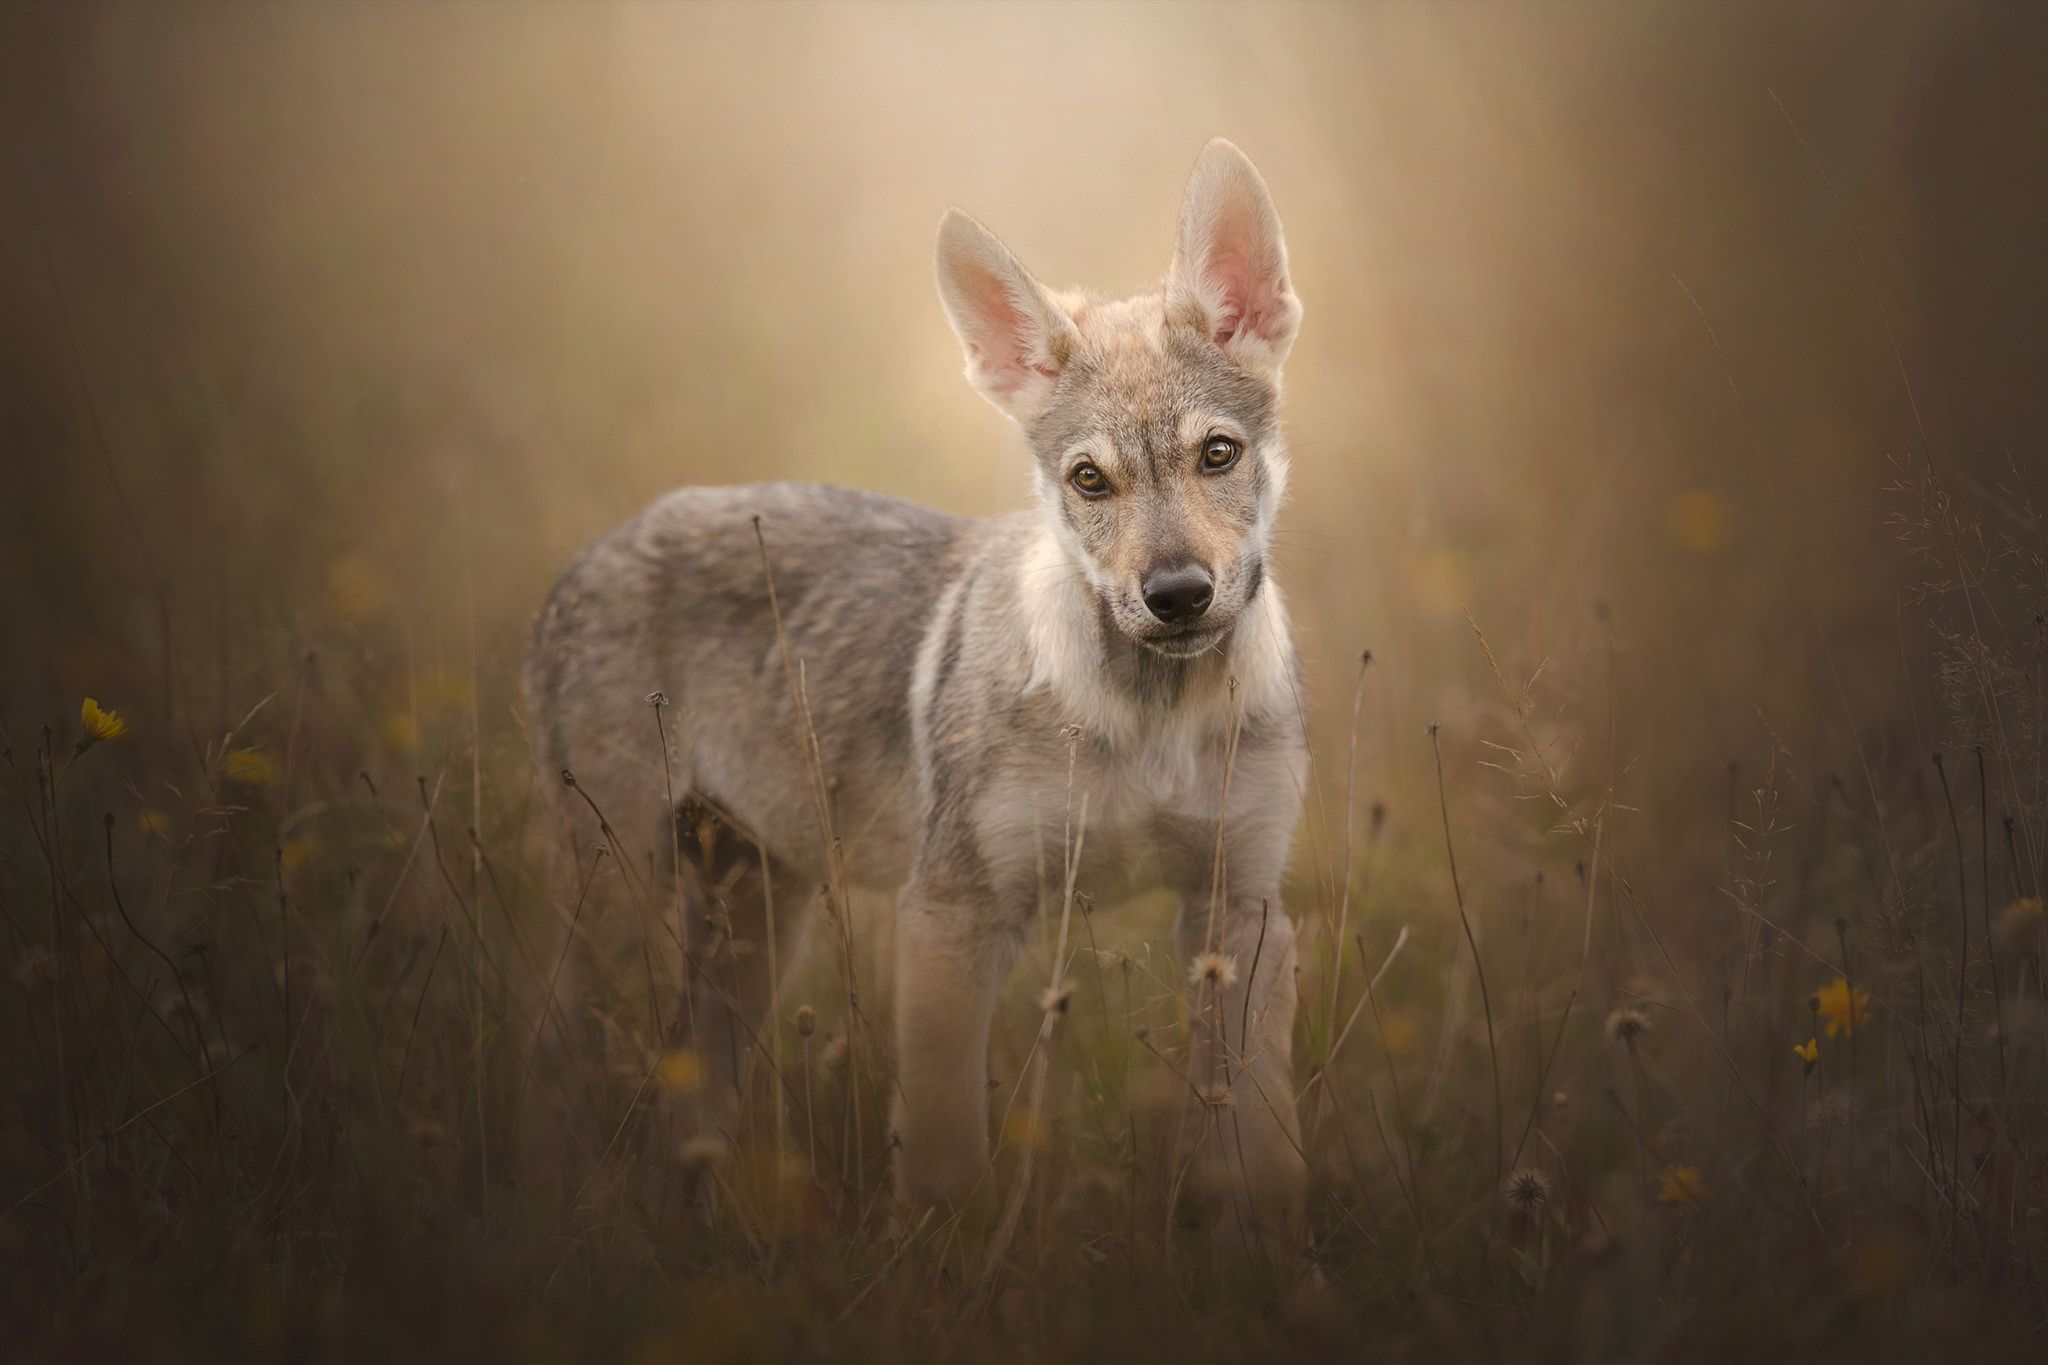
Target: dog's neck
1122 693
1148 678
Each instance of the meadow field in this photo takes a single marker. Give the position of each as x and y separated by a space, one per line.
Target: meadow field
1667 551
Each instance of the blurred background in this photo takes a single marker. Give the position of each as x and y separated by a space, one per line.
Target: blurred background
413 300
1635 336
330 331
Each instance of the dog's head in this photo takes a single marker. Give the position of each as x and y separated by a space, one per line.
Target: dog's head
1154 420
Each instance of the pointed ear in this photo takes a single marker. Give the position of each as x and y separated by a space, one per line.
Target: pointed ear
1017 338
1229 272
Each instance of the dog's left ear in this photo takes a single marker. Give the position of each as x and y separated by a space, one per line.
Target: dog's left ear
1229 271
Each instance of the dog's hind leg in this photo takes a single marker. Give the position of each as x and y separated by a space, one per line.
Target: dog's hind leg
737 901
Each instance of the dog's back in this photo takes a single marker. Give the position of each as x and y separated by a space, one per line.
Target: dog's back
676 601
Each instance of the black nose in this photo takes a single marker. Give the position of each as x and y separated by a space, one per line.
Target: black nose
1178 596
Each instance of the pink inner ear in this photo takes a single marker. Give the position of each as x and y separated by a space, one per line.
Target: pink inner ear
1245 303
1007 342
1248 290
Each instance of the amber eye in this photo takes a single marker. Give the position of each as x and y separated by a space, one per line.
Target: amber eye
1220 453
1092 482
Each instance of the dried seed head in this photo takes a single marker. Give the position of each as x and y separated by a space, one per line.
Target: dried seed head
1527 1190
1219 1097
1626 1025
430 1133
1831 1111
1212 969
1055 998
806 1021
704 1150
37 968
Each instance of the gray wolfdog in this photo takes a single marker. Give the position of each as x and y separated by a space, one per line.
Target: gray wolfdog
1116 658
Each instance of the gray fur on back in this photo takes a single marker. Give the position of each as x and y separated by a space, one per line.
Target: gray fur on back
676 601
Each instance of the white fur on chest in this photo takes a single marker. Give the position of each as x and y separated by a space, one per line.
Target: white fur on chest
1135 769
1147 738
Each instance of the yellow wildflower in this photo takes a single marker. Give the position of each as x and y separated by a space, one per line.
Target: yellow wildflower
355 590
250 767
1682 1187
1024 1131
1403 1031
1879 1264
1808 1052
1846 1008
153 821
297 852
1442 581
98 723
400 734
1700 521
2019 925
443 689
679 1072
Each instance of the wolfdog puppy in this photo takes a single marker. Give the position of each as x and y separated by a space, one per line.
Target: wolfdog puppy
1116 658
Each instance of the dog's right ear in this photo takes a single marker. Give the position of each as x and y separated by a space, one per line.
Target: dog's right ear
1017 337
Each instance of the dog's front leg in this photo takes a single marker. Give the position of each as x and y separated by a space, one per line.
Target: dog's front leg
951 956
1241 995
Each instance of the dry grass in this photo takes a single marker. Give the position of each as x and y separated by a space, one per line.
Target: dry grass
265 992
